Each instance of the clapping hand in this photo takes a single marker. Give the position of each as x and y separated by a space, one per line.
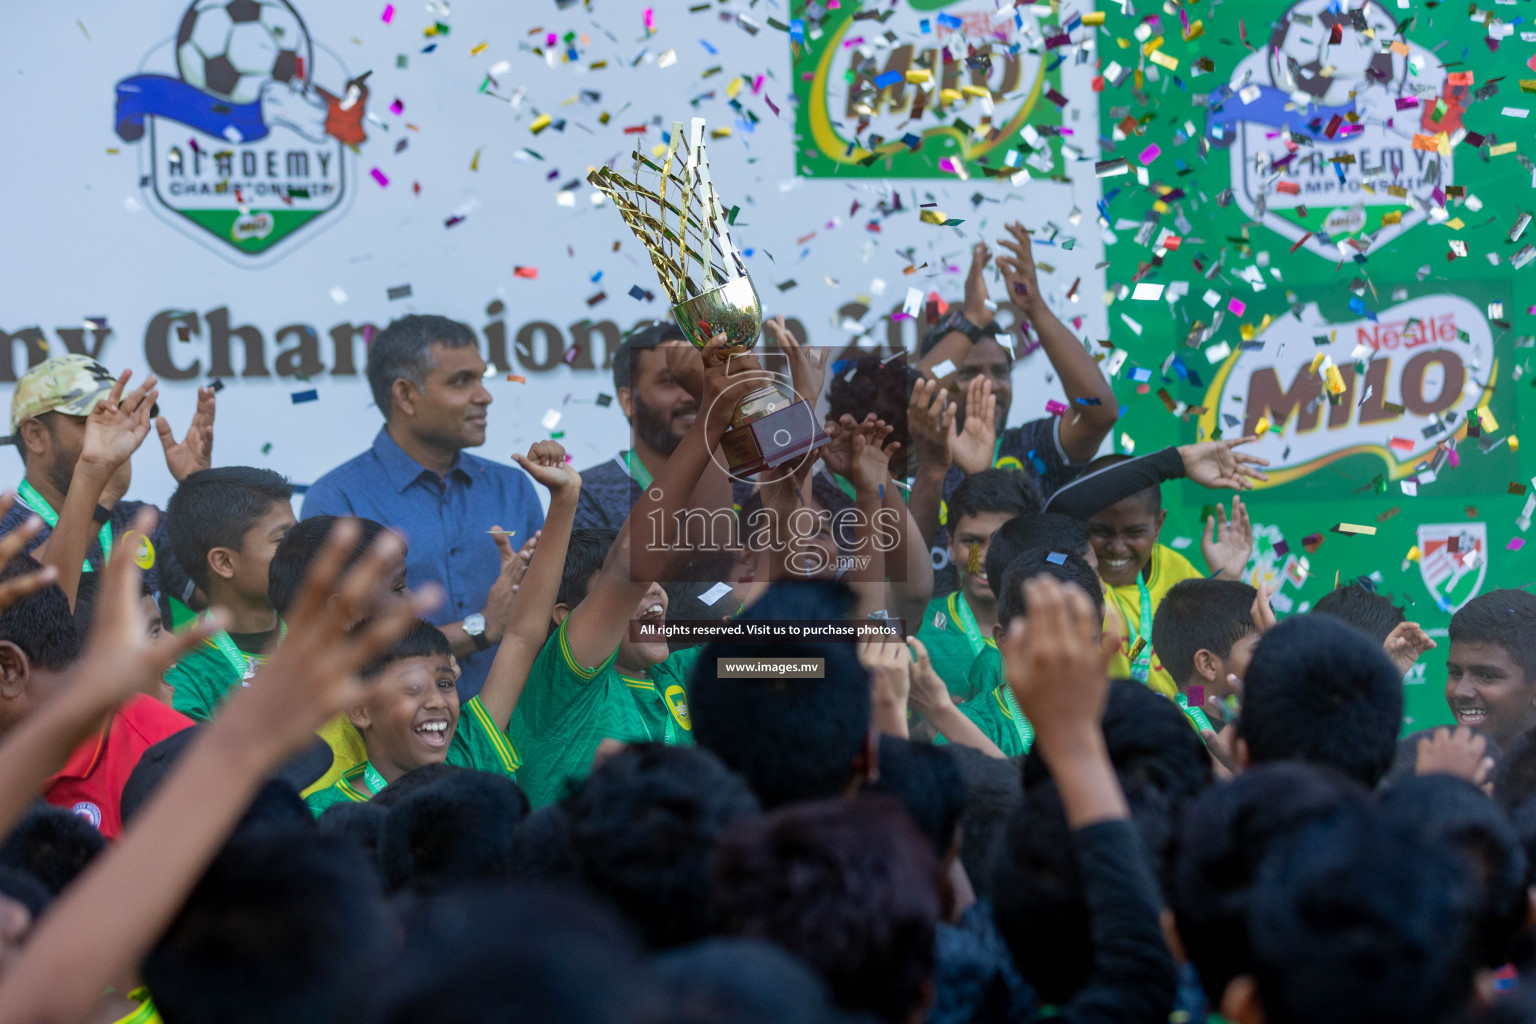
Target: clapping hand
1227 544
972 447
194 452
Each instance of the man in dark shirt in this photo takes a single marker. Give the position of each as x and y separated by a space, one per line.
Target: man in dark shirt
425 373
659 409
48 416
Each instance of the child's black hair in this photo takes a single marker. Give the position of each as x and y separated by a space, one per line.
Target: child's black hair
420 640
1320 690
1037 887
455 832
583 557
521 953
419 778
26 890
929 786
297 551
52 845
541 847
1149 741
362 824
790 739
284 925
1506 618
1371 613
641 828
1352 898
849 886
1047 531
743 981
1067 566
1224 837
993 490
41 623
1442 810
993 791
1200 615
215 508
870 386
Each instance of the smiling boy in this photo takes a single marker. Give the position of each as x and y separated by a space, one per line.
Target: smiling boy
412 718
1491 667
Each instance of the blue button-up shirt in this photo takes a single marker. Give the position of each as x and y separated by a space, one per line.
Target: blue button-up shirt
444 520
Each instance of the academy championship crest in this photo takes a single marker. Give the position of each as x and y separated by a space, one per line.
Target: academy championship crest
1453 559
1338 98
243 145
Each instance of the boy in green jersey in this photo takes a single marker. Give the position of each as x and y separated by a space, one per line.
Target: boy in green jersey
224 526
596 678
1204 633
994 711
412 716
957 627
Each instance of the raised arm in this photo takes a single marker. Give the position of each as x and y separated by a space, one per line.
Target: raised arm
77 950
956 345
113 432
527 625
646 544
1091 406
930 418
1213 464
1058 675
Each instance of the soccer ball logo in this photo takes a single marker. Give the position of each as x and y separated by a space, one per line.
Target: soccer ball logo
231 48
1305 61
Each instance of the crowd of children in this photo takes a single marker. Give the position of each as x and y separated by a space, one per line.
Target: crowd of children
1087 778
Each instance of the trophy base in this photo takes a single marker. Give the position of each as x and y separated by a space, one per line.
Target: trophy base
773 440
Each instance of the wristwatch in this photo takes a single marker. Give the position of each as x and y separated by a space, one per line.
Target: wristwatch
102 515
474 627
958 321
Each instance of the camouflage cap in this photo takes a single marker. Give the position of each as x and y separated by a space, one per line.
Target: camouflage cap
71 384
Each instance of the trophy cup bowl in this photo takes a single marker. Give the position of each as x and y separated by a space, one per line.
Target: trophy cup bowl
769 426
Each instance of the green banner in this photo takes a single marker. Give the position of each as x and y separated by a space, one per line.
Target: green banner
1317 238
925 89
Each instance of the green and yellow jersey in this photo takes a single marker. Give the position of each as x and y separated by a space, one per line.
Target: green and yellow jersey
954 641
567 709
1167 568
476 743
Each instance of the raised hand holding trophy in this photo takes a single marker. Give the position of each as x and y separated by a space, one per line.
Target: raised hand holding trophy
682 224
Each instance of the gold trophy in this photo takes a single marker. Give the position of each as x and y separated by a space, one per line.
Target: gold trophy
683 226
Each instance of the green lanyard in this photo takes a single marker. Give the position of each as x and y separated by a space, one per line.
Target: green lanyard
960 611
244 664
372 777
1020 723
1141 665
1195 715
39 504
637 470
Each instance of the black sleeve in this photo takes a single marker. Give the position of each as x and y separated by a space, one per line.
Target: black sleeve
1097 491
1134 979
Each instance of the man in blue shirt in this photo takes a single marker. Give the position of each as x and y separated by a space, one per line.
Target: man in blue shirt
425 372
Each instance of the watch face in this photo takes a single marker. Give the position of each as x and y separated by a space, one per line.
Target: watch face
474 624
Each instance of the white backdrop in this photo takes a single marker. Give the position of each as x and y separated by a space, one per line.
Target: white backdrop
81 240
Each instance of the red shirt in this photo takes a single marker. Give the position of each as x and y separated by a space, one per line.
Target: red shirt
91 781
